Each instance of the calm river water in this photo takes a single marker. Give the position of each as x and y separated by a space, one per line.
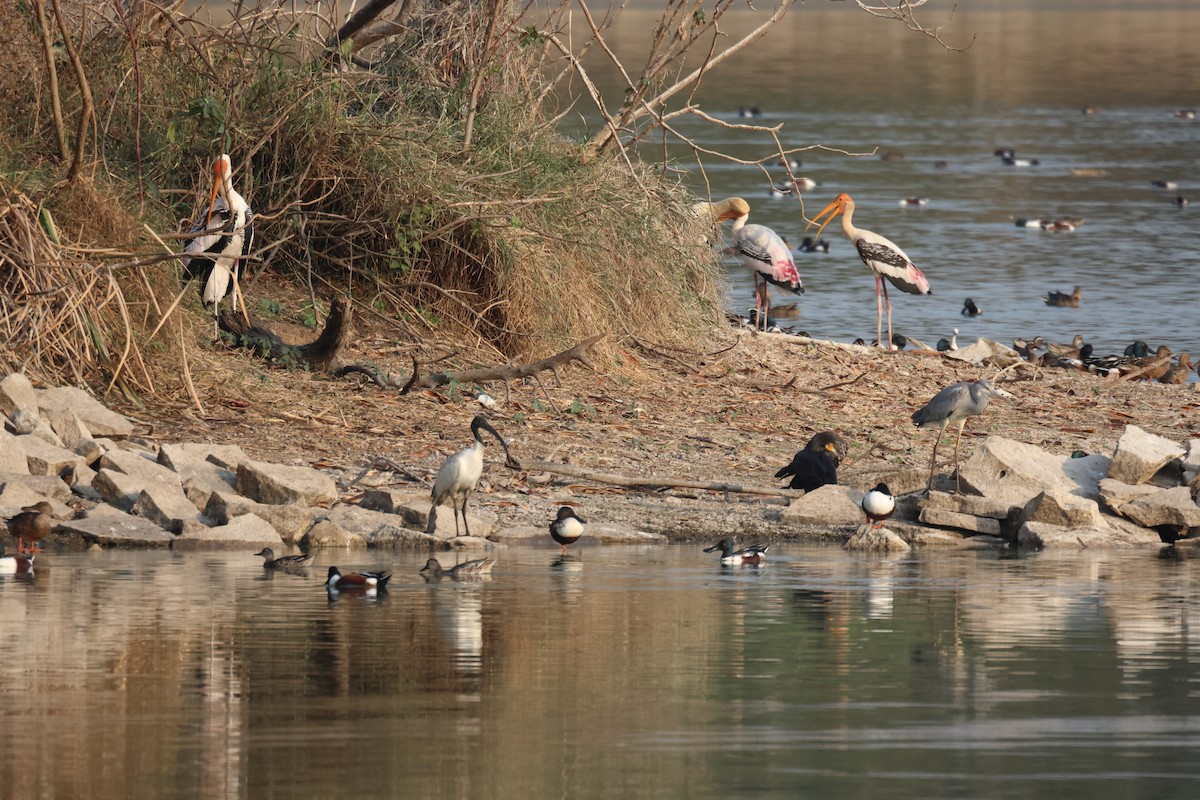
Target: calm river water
841 79
625 672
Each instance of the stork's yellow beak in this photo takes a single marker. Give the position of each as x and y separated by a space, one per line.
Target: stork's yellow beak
218 186
829 212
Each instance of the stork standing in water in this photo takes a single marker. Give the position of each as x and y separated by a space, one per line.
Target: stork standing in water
953 405
883 257
213 257
760 249
459 476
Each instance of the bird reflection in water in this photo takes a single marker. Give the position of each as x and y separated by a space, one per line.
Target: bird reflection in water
458 609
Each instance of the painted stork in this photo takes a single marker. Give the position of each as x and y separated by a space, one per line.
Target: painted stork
760 249
883 257
951 405
459 476
213 257
567 527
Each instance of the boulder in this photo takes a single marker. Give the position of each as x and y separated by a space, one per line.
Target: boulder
247 531
971 504
329 534
985 350
16 392
170 509
27 422
44 458
73 434
1164 507
875 540
290 521
117 488
12 457
416 513
826 505
960 521
50 486
1191 461
1116 494
932 536
404 538
900 482
1042 535
108 527
99 420
1139 455
1014 472
1055 507
275 484
362 521
390 501
224 456
606 533
525 534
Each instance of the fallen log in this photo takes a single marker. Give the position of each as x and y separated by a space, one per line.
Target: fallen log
534 465
251 332
504 372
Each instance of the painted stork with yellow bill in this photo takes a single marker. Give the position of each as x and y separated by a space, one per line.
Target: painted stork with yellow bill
763 251
883 257
225 235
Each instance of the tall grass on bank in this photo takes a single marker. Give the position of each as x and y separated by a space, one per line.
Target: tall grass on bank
360 180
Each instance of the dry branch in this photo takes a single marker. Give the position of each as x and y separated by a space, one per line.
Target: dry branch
506 372
534 465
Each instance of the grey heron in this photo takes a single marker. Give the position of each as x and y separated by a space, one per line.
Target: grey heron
459 476
881 255
567 527
816 465
954 404
214 257
878 504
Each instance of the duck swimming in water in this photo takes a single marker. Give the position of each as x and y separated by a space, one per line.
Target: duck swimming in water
1064 300
731 555
969 308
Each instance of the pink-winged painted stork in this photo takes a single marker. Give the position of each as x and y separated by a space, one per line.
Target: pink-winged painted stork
760 249
883 256
213 257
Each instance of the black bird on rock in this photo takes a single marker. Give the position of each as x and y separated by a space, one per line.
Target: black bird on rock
815 465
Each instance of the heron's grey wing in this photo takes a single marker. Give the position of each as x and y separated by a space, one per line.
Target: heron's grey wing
949 403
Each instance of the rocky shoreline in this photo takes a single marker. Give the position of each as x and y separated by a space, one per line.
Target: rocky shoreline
111 487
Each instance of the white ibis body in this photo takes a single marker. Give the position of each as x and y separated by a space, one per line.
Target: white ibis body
760 249
881 255
459 477
951 405
567 527
878 504
213 257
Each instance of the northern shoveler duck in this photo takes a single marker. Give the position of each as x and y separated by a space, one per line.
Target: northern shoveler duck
914 201
1061 225
1178 374
1152 367
1020 162
283 562
1005 152
1064 300
33 524
969 308
1182 201
749 113
1138 349
1185 113
805 184
946 345
781 189
878 504
1077 361
16 565
816 465
567 527
356 581
1165 184
1089 110
789 162
811 245
1061 350
732 555
1023 222
468 570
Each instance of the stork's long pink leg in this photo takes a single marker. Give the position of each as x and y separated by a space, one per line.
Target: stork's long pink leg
888 303
878 310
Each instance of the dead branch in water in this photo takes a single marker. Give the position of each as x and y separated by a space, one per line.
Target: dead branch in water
534 465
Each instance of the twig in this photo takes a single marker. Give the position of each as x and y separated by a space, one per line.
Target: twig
534 465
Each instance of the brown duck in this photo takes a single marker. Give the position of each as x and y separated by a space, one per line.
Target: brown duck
1179 373
1064 300
31 526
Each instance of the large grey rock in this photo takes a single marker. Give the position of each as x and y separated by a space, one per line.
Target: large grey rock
12 457
1116 494
1191 461
16 392
875 540
44 458
404 538
525 534
290 521
959 521
481 523
27 422
140 467
117 488
1042 535
50 486
1014 472
199 476
971 504
826 505
1164 507
170 509
108 527
98 419
362 521
900 482
247 531
1055 507
73 434
275 484
1139 455
225 456
391 501
606 533
329 534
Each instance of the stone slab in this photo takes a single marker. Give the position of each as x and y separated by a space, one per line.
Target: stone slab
100 421
1055 507
1173 507
275 484
169 509
974 505
224 456
1140 455
44 458
290 521
16 392
958 521
247 531
1043 536
108 527
875 540
1015 472
329 534
826 505
12 457
49 486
